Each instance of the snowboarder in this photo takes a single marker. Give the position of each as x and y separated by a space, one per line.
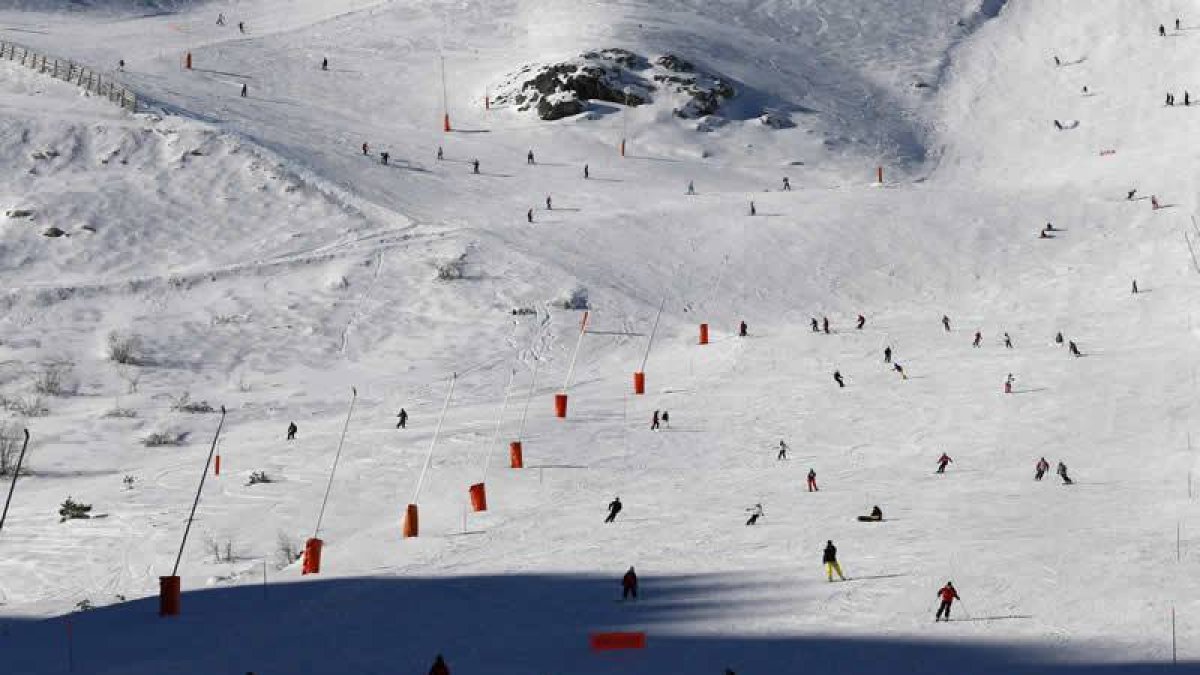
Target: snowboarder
439 667
383 157
887 354
787 184
291 431
900 369
475 166
529 158
529 215
815 327
614 507
812 481
1129 195
1154 203
783 448
978 339
629 584
666 419
1008 384
948 596
1040 469
753 211
825 324
1062 473
691 188
837 377
946 323
831 562
755 514
942 462
1162 30
402 419
743 329
245 90
875 517
1007 341
654 422
862 321
325 63
1135 291
549 204
1073 348
586 172
1058 338
441 154
365 149
242 27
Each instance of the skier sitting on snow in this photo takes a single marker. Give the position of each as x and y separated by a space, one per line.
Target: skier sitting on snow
755 514
875 517
948 596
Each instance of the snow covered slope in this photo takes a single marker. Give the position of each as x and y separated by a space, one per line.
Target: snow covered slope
264 264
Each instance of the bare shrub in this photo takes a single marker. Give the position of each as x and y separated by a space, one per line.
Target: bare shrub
55 379
25 406
165 438
452 269
287 549
11 440
132 378
184 403
124 348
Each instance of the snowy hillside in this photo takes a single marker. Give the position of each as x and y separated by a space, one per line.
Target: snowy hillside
245 252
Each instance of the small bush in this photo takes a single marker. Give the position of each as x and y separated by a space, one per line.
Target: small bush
11 440
452 269
287 550
164 438
54 379
121 413
73 510
257 477
25 406
84 605
124 348
184 403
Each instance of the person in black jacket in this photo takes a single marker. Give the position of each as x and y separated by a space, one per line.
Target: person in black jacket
614 507
291 431
831 561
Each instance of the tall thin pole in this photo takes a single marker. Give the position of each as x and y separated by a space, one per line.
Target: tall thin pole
575 356
13 487
487 459
653 330
445 97
337 456
433 442
1174 651
537 362
196 502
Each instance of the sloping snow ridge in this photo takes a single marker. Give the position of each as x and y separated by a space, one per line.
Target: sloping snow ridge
216 250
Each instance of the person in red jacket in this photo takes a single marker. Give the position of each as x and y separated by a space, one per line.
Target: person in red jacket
948 596
942 462
629 585
439 667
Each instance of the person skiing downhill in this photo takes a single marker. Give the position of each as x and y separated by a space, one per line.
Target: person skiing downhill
783 448
755 513
1162 30
1178 25
978 339
837 377
1154 203
825 324
654 426
862 321
549 204
439 667
887 354
743 329
1135 289
815 327
291 431
1129 195
1061 470
586 172
629 585
948 596
942 462
529 158
245 90
1008 383
614 507
787 184
831 561
753 210
325 63
691 188
241 27
441 154
220 18
1007 341
529 215
402 419
475 166
1057 62
366 149
1074 349
946 323
812 481
383 157
1040 469
666 419
900 370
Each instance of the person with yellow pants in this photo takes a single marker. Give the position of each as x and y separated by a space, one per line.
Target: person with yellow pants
831 563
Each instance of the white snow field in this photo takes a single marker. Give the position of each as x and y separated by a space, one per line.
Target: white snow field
251 257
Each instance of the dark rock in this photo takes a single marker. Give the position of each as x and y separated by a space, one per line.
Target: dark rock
675 63
53 232
559 106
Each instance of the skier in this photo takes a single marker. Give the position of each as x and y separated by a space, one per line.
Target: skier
325 63
654 422
875 517
948 596
1170 99
242 27
691 188
439 667
549 204
742 329
1062 473
1040 469
383 157
1135 290
1008 384
1178 25
787 184
475 166
1057 62
291 431
815 327
666 419
755 514
1058 338
887 354
529 158
245 90
220 18
1058 125
862 321
1049 227
1187 100
365 149
1073 348
946 323
900 369
1154 203
529 215
825 324
942 462
978 339
629 584
812 481
586 173
1043 235
1162 31
440 154
837 377
1007 341
831 562
1129 195
614 507
1085 90
783 448
121 64
753 211
402 419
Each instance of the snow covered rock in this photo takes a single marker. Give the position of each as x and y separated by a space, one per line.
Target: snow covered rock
561 89
559 105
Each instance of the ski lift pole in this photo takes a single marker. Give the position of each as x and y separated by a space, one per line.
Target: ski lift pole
650 342
433 442
196 502
336 457
13 486
487 458
537 362
575 356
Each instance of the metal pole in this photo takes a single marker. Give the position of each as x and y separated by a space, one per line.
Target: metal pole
445 97
433 441
336 457
537 362
653 330
196 502
1174 651
13 487
487 459
575 356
